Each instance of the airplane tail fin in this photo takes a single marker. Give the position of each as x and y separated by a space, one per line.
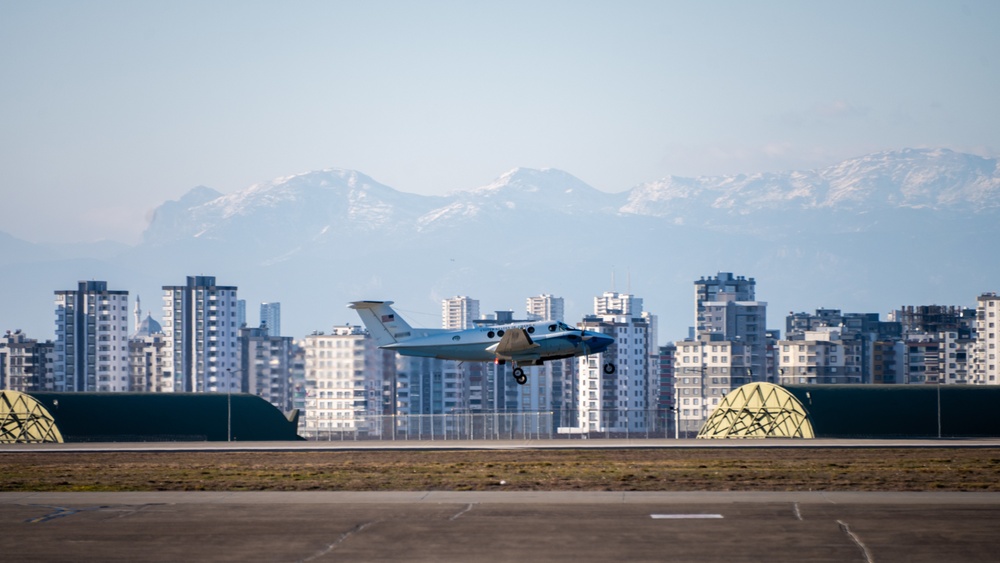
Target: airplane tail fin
382 322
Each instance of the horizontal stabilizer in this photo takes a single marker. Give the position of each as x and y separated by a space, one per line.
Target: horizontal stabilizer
382 322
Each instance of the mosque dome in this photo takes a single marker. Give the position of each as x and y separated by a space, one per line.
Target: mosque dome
147 327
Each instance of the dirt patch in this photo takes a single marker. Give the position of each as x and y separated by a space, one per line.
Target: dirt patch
738 469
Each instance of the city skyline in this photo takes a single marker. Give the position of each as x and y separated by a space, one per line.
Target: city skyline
600 303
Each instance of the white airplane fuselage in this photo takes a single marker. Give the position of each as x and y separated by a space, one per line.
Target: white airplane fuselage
529 343
554 341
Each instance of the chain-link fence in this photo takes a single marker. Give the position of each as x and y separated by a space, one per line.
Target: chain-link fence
506 426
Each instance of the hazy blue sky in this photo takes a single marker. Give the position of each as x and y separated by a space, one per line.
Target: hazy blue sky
109 108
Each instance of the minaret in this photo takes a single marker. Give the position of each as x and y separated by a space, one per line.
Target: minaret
138 313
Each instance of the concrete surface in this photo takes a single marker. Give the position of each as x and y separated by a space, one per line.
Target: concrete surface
500 526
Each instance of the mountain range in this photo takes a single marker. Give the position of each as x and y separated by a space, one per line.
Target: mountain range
870 234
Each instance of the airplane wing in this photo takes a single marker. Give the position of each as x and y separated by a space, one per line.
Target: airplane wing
514 342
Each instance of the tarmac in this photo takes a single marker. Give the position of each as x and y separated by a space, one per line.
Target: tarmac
500 526
578 527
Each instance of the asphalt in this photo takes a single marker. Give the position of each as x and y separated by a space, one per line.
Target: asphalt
500 526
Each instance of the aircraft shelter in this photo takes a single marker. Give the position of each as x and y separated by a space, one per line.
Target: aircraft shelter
141 417
764 410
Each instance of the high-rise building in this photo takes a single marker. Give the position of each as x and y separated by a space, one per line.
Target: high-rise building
297 371
91 348
708 289
545 307
265 366
857 333
956 357
614 303
888 362
458 313
345 375
819 356
270 317
429 386
615 388
665 404
984 357
729 347
202 330
25 363
725 306
706 369
933 319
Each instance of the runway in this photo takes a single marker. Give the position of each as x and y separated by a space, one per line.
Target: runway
500 526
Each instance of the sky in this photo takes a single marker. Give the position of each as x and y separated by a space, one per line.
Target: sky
110 108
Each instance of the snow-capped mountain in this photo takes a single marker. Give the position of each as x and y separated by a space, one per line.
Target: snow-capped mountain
314 204
295 208
865 235
911 178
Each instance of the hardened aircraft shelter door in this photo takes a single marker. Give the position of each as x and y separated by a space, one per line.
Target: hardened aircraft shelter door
758 410
23 419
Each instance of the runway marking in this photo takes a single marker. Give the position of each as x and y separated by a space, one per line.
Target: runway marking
339 541
795 507
61 512
857 540
684 516
461 512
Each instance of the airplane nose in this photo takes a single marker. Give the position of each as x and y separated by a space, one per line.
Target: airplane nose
600 342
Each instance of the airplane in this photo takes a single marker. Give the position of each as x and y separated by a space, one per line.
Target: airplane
523 343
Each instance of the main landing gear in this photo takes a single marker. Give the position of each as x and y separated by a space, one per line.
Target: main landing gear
519 376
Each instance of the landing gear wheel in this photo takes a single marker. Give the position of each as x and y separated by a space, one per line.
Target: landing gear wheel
519 376
609 368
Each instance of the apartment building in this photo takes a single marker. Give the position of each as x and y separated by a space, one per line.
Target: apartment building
201 325
665 402
91 347
706 369
725 306
955 357
984 357
25 363
819 356
265 366
618 400
270 317
545 307
345 379
458 313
